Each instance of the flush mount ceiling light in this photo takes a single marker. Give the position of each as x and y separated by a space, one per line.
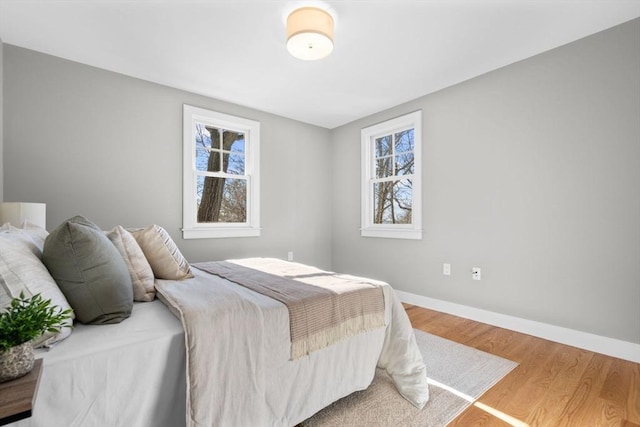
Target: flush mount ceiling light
309 33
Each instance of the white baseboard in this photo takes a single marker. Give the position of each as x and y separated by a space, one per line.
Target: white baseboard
599 344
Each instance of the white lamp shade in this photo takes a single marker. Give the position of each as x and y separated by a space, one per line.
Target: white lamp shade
17 213
309 33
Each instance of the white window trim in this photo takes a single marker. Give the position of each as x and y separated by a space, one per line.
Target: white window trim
191 229
368 135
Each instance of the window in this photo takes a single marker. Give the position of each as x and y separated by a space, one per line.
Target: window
221 182
391 178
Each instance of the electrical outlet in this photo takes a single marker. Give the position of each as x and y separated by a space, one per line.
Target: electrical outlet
476 273
290 256
446 269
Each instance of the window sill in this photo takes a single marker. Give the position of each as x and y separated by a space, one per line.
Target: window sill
392 233
220 233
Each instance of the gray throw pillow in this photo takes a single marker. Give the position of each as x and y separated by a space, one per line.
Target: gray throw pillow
89 271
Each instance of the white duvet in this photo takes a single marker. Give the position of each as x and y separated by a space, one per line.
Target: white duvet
238 348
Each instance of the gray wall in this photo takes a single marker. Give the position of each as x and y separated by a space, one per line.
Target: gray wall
92 142
531 172
1 116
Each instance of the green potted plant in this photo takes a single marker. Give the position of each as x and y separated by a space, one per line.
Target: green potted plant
22 321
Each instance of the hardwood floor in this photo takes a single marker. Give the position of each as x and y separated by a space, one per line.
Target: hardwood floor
554 385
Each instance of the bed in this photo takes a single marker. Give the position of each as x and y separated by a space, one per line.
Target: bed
210 351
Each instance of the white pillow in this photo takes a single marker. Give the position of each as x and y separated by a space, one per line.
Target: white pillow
163 254
30 236
22 271
137 264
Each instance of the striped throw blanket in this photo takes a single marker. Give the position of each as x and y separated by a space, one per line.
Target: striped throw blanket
324 308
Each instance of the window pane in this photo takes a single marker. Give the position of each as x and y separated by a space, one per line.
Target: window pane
383 146
234 203
404 164
382 202
207 136
199 189
402 201
234 142
384 167
221 200
202 143
238 144
230 139
236 164
392 202
202 158
404 141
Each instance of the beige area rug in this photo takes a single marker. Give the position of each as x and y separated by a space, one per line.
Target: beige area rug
458 375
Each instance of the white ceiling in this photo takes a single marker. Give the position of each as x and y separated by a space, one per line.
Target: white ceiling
386 52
